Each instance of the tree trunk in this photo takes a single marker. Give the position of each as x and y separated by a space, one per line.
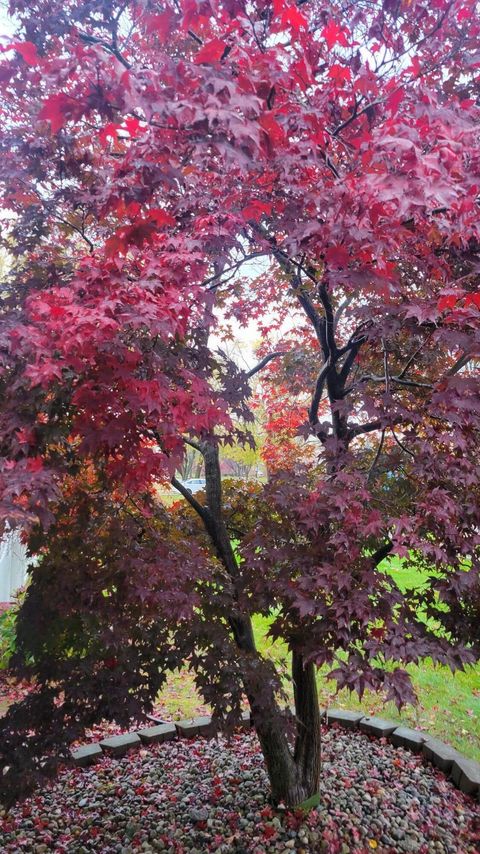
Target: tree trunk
294 778
294 774
307 752
270 726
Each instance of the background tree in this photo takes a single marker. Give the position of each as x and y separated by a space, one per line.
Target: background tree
149 150
192 464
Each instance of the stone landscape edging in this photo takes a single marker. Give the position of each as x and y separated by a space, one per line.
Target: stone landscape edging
464 773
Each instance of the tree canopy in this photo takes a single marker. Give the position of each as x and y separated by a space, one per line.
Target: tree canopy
151 150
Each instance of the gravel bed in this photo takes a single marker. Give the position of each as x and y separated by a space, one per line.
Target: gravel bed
194 797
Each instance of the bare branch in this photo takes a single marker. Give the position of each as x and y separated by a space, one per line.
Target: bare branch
329 320
348 363
459 364
195 38
199 508
355 337
261 364
412 383
401 445
111 48
233 267
385 367
293 269
373 378
77 230
413 356
317 394
342 308
368 427
377 455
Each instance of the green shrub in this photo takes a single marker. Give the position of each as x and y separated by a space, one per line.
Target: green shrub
8 620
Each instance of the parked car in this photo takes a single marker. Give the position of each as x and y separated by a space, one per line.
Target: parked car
194 484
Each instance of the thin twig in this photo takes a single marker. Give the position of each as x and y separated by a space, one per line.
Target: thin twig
401 445
377 455
78 230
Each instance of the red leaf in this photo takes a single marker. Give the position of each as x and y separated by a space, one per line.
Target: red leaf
337 256
269 831
34 464
333 34
394 100
161 217
339 74
272 128
54 110
211 51
447 302
472 299
255 209
160 24
294 19
133 127
302 72
278 7
109 130
28 52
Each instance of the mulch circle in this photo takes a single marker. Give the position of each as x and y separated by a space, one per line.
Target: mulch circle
211 795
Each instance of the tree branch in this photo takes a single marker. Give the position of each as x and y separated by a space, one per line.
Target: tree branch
356 114
199 508
409 361
111 48
377 455
261 364
373 378
317 394
401 445
342 308
459 364
235 266
368 427
77 230
329 320
348 363
382 553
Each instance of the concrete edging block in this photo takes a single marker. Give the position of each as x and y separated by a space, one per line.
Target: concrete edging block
120 744
439 754
162 732
465 774
191 727
378 727
87 754
411 739
344 718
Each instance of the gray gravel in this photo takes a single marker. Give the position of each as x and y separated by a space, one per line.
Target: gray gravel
210 796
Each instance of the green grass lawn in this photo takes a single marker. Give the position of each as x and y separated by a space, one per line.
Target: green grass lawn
449 705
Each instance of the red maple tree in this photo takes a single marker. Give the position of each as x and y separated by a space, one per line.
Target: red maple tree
149 150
